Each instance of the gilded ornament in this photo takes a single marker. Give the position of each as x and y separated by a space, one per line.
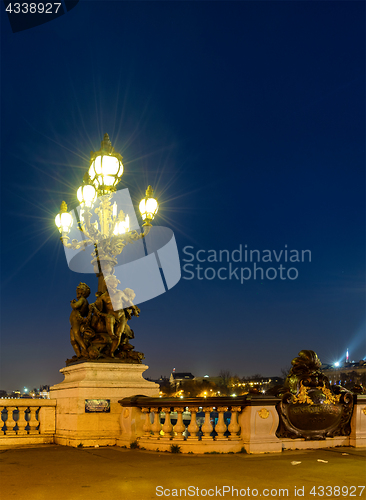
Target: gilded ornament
302 396
263 413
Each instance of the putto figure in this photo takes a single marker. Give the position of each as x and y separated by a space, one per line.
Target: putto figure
115 318
80 309
100 330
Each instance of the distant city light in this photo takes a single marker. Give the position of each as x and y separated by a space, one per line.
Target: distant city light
205 376
336 363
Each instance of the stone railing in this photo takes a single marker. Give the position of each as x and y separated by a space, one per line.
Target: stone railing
212 425
198 425
27 421
221 425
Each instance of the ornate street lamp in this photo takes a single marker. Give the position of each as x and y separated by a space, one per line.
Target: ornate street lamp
113 231
108 237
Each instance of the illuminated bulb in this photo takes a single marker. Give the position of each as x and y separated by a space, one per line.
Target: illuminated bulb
148 205
63 219
106 167
122 227
127 223
86 195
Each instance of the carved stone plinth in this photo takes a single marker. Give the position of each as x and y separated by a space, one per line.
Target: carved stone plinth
108 382
358 423
258 423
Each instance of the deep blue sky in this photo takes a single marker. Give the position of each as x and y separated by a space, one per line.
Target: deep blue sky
248 118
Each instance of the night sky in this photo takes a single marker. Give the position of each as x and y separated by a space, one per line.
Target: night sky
248 119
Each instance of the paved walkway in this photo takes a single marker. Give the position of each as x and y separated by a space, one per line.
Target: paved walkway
61 473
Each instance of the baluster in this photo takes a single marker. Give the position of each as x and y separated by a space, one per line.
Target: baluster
179 427
167 426
22 422
33 422
10 423
234 426
156 426
193 427
221 427
3 415
207 426
147 424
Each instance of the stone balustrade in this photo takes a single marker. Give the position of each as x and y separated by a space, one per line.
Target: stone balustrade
196 425
199 425
27 421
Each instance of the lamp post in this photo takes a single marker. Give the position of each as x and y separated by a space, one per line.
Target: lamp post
100 330
113 232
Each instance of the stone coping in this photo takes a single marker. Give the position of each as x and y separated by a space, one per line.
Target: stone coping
242 401
27 402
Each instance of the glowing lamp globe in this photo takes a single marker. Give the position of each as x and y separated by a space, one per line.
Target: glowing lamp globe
106 167
148 205
122 227
63 219
86 195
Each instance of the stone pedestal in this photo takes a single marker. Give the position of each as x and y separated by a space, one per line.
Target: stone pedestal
358 423
259 422
95 380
